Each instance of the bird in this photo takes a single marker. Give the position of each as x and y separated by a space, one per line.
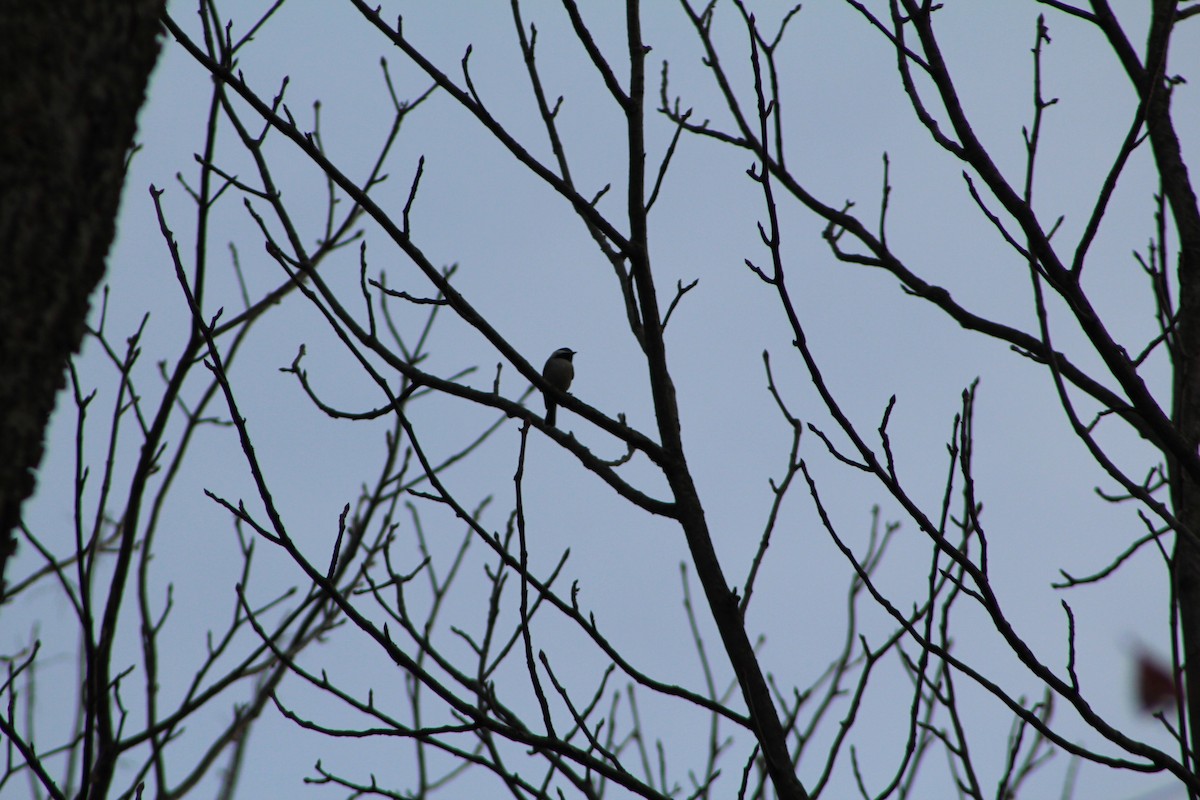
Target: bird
558 372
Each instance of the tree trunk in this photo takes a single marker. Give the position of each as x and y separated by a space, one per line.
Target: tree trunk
72 78
1181 200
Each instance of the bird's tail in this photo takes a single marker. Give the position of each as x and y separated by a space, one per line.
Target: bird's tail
550 415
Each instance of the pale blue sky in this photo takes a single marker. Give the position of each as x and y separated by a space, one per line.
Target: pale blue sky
529 266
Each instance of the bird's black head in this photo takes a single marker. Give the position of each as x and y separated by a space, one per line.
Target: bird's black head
564 352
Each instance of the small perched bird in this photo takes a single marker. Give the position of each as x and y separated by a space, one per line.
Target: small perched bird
558 372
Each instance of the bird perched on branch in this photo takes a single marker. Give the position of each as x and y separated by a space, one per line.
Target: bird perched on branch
558 372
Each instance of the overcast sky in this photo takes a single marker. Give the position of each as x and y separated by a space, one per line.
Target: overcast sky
529 266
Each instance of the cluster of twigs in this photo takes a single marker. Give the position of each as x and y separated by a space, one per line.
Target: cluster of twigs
482 693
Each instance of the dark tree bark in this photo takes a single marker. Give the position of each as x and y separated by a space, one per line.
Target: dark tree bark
1154 87
1181 200
72 78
